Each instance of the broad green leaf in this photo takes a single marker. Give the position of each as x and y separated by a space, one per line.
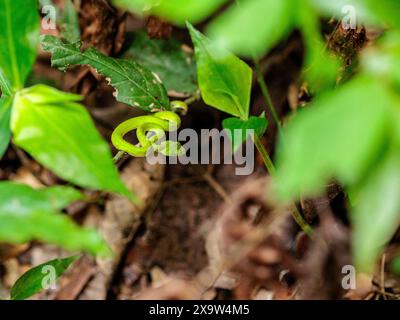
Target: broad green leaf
59 134
376 216
5 115
34 280
45 94
176 11
224 79
19 36
175 67
134 84
239 129
339 135
27 214
252 27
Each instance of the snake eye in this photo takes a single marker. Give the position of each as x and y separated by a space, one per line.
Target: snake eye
179 107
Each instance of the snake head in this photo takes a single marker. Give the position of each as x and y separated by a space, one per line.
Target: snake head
179 107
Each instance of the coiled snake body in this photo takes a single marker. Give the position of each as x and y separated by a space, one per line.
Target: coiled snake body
158 124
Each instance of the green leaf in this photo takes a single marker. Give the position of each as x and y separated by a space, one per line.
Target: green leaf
5 84
376 216
176 11
175 67
383 59
69 23
252 27
59 134
384 12
25 199
321 68
27 214
19 36
395 265
134 84
239 129
224 79
339 135
34 280
5 115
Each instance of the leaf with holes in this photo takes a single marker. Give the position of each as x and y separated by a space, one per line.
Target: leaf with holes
134 84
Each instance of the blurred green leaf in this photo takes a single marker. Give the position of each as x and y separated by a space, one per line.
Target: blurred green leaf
19 36
176 11
59 133
321 68
238 129
27 214
69 23
5 115
383 59
376 216
252 27
26 199
134 84
224 79
176 68
34 280
395 265
384 12
339 135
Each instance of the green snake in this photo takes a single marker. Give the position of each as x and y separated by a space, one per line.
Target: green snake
157 123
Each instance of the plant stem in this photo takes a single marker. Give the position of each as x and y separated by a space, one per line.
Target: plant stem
193 98
271 169
265 156
267 96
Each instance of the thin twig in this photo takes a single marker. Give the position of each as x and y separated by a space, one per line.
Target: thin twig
266 94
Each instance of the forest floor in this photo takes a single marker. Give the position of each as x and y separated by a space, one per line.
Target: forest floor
201 231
